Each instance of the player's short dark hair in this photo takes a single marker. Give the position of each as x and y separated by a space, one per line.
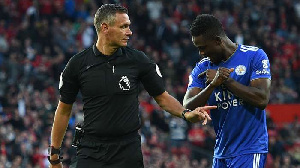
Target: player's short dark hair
207 25
106 13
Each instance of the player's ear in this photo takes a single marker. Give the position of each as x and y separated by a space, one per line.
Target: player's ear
218 40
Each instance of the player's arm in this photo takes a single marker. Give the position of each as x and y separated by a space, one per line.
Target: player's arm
257 94
171 105
195 96
61 120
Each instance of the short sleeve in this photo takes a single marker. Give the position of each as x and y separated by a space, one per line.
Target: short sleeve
68 84
194 80
151 77
260 66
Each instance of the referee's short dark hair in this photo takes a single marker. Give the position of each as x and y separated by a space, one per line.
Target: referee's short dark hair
106 13
207 25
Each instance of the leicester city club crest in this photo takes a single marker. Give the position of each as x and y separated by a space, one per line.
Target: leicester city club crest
240 70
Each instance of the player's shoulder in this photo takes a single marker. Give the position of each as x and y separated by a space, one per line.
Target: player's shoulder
250 49
201 66
252 52
135 54
204 62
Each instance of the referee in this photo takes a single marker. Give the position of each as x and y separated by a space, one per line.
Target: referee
108 75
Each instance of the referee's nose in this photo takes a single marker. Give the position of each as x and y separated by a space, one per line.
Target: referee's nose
128 32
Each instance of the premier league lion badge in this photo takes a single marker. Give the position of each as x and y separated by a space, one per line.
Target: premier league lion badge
124 83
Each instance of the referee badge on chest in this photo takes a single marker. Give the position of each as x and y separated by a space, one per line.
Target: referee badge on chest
124 83
240 70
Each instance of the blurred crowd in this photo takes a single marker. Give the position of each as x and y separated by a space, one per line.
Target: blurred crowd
38 37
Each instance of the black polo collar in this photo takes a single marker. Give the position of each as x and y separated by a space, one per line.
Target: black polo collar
98 53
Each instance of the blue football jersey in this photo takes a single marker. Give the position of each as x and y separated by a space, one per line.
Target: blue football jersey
240 128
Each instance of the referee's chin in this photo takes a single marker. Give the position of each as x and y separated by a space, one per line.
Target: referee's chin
124 44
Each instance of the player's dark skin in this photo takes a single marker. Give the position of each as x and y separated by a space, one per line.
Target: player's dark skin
220 49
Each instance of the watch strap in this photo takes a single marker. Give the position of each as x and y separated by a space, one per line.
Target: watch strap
53 150
55 162
183 113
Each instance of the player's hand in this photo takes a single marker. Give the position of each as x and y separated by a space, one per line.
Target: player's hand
199 114
209 74
216 78
59 165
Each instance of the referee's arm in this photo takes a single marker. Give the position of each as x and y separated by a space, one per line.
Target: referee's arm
61 120
169 104
172 105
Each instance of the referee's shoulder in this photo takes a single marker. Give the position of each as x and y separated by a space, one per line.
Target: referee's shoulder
135 54
76 62
82 54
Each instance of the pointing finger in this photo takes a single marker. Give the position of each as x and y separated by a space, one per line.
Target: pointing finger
208 107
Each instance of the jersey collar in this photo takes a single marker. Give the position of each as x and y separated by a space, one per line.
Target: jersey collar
98 53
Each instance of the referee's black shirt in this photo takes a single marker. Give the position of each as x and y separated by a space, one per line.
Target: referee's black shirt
109 86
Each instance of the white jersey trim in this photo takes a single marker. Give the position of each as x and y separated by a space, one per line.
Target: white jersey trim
256 160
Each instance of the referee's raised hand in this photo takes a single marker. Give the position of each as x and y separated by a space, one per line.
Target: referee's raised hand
199 114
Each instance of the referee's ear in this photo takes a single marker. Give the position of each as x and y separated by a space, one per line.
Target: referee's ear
104 28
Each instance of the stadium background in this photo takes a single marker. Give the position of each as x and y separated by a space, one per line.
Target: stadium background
37 38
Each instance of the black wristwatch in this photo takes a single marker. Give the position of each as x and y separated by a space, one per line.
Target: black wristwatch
53 151
185 111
